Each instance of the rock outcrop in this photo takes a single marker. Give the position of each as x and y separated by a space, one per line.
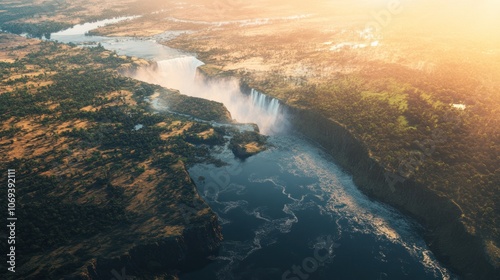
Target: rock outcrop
164 257
445 233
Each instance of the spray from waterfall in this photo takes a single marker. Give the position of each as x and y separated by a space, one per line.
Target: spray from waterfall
180 73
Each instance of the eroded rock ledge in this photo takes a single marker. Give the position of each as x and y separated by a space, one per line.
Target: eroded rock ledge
163 257
445 233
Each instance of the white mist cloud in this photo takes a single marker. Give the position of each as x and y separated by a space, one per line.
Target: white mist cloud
181 74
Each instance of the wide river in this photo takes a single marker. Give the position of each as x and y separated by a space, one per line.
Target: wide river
289 212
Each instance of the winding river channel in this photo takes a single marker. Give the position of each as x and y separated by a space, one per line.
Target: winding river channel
289 212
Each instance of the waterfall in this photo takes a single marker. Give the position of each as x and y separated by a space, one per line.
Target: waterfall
180 73
269 105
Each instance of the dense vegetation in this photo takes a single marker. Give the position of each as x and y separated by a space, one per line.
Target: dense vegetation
25 16
35 30
247 143
412 130
85 170
427 110
396 98
20 17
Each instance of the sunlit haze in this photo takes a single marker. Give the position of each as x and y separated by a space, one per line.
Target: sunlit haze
250 139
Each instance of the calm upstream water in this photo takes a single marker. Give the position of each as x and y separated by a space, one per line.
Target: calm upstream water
288 212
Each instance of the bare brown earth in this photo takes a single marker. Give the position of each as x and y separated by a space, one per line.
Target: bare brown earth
15 48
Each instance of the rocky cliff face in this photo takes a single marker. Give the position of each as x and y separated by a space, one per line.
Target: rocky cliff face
163 257
445 233
463 252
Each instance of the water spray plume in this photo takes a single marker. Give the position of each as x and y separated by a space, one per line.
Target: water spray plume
181 74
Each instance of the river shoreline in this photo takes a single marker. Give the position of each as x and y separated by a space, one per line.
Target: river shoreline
353 148
444 233
349 147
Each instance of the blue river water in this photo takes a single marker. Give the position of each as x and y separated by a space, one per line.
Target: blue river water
286 206
290 212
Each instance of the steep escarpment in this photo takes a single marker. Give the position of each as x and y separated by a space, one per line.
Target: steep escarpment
426 113
164 257
102 187
445 233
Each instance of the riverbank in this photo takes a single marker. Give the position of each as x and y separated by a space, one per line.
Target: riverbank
445 234
402 124
392 98
102 179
